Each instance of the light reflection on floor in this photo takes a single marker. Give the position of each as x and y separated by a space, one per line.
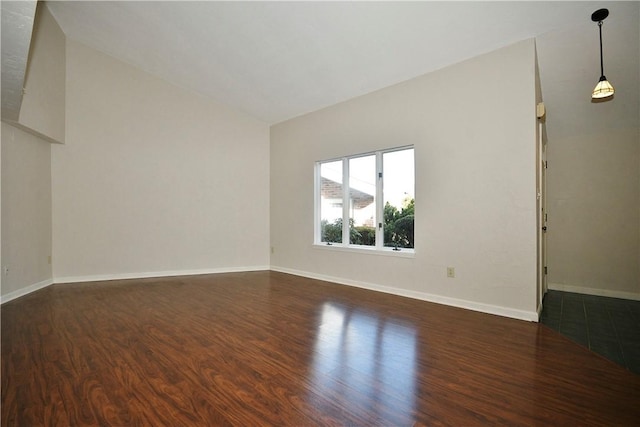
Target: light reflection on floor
361 356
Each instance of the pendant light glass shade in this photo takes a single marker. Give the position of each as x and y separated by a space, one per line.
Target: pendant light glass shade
603 89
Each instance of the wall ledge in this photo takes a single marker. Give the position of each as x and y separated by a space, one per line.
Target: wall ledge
31 131
530 316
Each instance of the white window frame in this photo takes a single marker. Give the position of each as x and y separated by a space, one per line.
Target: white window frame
379 247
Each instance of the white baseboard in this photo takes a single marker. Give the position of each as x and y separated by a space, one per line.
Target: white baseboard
104 277
24 291
592 291
531 316
539 311
145 275
470 305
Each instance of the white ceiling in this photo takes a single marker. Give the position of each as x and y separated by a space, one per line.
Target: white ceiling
278 60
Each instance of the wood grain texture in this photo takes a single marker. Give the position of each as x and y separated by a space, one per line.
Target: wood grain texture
267 348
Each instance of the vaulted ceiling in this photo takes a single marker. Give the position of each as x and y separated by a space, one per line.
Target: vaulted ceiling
278 60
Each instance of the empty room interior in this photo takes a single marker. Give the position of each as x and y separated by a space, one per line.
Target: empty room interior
320 213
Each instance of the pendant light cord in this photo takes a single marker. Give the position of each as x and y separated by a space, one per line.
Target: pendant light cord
601 61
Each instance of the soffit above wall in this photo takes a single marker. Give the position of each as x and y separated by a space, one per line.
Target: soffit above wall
17 27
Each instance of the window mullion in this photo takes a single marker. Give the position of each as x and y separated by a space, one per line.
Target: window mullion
317 215
345 202
379 204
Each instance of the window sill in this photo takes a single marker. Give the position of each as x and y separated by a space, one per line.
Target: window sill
404 253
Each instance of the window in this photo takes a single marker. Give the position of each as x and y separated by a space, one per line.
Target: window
366 201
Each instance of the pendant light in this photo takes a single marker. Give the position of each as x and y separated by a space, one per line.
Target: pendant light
603 89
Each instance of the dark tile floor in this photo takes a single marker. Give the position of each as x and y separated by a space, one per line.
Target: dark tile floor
608 326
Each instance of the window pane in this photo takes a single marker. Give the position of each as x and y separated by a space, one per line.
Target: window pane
399 192
362 200
331 202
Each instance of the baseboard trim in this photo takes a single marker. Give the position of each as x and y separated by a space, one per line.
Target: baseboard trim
539 312
25 291
531 316
152 274
106 277
454 302
592 291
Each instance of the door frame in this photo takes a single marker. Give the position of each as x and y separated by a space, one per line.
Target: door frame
541 210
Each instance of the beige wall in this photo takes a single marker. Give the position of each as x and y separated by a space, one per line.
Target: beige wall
153 179
26 212
43 104
594 213
473 126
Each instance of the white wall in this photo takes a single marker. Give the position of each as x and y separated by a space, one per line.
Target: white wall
43 103
594 213
26 212
153 179
474 129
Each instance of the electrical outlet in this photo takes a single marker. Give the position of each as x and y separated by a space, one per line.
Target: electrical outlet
451 272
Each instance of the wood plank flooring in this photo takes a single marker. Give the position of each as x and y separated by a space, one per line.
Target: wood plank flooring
265 348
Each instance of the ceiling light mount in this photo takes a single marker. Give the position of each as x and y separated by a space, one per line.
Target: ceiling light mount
603 89
599 15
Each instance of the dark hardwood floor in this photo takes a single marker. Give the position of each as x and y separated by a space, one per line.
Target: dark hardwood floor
267 348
